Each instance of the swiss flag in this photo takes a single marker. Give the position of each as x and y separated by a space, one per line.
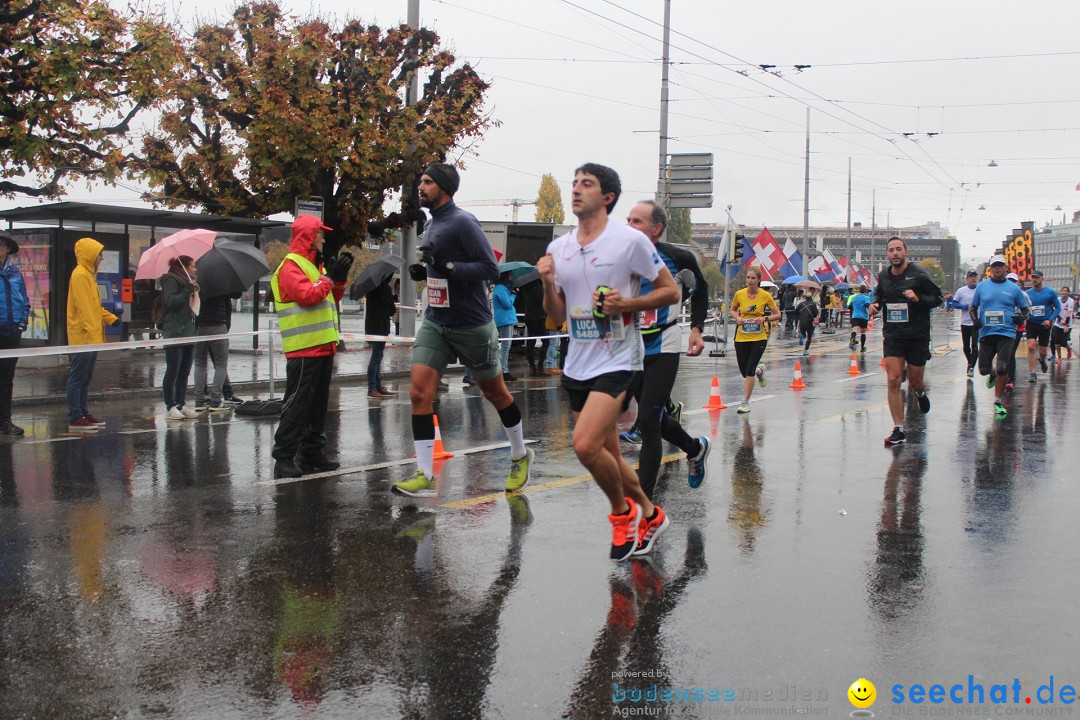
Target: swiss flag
767 253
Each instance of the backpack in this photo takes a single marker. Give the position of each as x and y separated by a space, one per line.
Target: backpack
157 309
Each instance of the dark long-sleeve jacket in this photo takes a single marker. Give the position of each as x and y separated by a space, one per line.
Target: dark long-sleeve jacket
890 289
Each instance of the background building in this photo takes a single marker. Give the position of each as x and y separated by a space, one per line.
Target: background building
1057 253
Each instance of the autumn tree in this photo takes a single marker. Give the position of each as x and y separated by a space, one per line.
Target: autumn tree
679 229
934 269
75 74
265 108
549 207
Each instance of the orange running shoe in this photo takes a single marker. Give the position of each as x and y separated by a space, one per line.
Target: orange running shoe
624 532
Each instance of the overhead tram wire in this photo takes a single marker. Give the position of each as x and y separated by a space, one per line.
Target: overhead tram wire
707 61
746 63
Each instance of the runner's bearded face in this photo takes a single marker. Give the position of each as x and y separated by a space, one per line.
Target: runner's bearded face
587 198
897 254
431 195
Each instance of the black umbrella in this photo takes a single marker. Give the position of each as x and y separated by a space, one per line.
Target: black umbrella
230 267
375 275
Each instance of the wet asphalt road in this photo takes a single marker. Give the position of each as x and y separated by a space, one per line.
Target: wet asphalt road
154 570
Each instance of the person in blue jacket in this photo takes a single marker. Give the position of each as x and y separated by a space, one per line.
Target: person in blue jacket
14 314
860 318
996 309
502 302
1045 308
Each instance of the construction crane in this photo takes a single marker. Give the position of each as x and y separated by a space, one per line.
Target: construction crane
512 202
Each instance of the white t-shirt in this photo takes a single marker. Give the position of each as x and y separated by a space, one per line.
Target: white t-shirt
618 259
1064 320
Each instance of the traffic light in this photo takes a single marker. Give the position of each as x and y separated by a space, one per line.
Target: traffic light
735 248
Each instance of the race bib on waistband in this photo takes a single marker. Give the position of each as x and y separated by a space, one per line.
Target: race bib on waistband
896 312
438 292
647 319
994 318
1038 311
751 327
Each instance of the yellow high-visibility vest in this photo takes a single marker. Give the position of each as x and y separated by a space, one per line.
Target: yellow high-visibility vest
304 327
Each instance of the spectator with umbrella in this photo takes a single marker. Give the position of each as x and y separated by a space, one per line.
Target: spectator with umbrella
379 306
181 302
225 272
505 317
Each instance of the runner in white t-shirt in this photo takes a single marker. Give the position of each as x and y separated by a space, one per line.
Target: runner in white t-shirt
1059 336
592 281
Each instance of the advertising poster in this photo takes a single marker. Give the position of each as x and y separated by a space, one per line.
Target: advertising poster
33 262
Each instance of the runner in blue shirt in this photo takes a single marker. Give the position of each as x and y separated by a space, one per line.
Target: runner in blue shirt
1045 308
993 308
858 302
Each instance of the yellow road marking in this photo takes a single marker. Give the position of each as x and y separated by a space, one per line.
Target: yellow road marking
529 489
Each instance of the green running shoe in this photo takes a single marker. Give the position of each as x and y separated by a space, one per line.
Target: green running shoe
675 412
990 381
999 410
419 485
520 469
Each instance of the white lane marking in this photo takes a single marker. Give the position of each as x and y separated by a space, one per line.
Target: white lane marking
381 466
855 377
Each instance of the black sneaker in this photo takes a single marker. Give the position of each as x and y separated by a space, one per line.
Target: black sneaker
9 428
896 438
318 464
232 400
924 402
286 469
1042 364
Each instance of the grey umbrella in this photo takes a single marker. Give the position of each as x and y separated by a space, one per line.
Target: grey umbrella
229 267
375 275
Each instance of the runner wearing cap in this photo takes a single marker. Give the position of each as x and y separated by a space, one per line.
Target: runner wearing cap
969 334
995 308
1045 309
458 263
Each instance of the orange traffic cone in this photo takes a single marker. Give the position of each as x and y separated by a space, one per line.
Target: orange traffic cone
796 382
882 363
715 403
854 369
440 452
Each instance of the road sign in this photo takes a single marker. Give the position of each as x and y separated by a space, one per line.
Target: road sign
691 160
689 180
309 206
679 174
690 188
691 201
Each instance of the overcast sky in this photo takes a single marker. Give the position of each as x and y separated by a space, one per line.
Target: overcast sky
972 81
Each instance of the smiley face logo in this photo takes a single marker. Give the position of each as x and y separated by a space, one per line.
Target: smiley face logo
862 693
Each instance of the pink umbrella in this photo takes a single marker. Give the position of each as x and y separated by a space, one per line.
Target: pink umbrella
155 260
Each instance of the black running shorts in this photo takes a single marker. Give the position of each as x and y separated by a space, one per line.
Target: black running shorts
612 383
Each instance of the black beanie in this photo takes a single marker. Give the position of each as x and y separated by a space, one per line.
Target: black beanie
445 176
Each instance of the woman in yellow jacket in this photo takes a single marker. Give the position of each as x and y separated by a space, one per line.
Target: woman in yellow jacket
85 326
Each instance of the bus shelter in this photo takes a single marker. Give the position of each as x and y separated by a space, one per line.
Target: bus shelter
47 234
